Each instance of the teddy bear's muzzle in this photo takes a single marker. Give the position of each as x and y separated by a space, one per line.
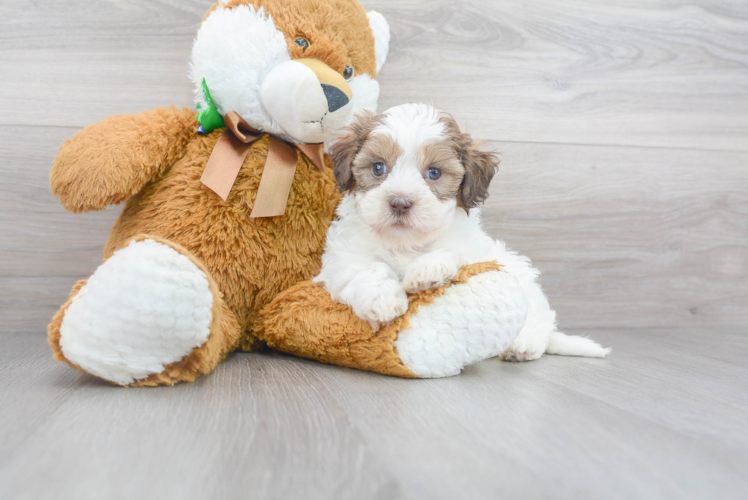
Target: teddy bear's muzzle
308 99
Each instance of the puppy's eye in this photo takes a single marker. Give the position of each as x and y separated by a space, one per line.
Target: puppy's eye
379 169
348 73
434 173
302 42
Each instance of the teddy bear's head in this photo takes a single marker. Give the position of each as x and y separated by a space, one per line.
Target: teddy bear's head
298 69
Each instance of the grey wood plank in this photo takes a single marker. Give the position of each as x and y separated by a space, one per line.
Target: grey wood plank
693 382
655 73
644 73
27 303
279 427
258 427
71 63
40 238
519 437
32 388
628 236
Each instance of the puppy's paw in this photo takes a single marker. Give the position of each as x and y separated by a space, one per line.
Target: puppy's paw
430 271
386 302
524 349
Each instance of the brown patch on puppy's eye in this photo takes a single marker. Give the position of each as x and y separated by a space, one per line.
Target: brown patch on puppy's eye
441 167
345 149
375 161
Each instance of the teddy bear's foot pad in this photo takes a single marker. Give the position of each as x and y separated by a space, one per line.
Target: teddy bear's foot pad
147 306
470 322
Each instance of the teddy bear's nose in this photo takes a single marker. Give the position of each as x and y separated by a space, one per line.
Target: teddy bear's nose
336 98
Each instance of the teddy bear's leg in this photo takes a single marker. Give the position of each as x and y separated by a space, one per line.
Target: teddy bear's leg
476 316
150 315
471 321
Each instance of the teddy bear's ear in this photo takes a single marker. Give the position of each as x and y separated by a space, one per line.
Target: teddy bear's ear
381 31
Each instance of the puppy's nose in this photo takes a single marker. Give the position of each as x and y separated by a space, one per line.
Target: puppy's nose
400 206
336 98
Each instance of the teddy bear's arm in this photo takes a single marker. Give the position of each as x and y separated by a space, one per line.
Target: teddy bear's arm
110 161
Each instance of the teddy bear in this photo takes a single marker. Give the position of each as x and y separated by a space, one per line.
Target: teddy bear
226 210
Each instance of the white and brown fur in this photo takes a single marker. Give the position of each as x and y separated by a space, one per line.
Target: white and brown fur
401 231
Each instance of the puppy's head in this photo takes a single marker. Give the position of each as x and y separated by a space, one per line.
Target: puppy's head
409 169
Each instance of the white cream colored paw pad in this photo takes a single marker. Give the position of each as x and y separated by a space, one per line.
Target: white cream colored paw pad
470 322
144 308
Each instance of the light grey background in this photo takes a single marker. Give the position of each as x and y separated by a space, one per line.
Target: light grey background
623 128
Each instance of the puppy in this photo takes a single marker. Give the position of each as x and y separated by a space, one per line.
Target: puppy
410 219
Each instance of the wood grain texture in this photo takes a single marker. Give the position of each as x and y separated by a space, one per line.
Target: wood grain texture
663 418
628 236
645 72
657 73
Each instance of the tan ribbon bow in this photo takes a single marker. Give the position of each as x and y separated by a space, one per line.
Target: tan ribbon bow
232 148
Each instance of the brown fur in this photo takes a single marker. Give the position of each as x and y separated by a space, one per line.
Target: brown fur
441 155
251 260
305 321
351 43
377 149
110 161
480 166
345 149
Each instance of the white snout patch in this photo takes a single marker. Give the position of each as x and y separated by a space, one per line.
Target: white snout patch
294 97
147 306
471 322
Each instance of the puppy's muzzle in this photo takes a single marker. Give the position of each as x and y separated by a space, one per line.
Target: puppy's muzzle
400 206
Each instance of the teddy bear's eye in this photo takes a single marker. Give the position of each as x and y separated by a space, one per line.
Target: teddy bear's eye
348 73
302 42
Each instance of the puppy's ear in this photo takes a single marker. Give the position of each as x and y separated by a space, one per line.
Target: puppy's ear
346 146
480 167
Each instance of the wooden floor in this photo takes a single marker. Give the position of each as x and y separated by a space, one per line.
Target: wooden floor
664 417
623 128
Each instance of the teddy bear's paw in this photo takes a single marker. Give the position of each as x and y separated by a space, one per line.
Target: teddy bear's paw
470 322
384 302
147 306
429 271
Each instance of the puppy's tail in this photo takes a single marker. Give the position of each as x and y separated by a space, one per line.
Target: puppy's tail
573 345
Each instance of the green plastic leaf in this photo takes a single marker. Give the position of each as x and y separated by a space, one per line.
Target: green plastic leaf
209 117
